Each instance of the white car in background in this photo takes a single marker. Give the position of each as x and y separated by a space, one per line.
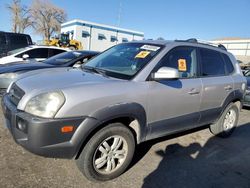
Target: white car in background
34 52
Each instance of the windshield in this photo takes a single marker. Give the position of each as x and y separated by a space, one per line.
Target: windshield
17 51
62 58
124 60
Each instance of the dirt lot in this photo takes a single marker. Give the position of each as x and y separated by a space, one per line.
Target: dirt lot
196 159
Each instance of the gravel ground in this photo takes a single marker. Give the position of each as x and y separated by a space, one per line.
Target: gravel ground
194 159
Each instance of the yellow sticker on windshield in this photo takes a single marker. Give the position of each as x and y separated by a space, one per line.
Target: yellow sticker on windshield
182 65
142 54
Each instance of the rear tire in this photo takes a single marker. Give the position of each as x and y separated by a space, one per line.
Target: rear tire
108 153
227 123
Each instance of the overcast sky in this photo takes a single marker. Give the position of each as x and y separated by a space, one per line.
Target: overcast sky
170 19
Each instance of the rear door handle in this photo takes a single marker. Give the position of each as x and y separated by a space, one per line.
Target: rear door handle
193 92
228 88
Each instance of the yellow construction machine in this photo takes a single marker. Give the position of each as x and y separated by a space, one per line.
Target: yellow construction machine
63 40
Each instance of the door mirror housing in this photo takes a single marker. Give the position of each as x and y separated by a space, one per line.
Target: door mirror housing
166 73
25 56
77 65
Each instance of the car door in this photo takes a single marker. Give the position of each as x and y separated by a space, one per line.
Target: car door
217 84
173 105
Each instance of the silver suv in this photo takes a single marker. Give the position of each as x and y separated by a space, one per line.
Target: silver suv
131 93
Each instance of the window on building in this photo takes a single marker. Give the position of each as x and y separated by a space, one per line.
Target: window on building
124 40
101 37
85 34
113 38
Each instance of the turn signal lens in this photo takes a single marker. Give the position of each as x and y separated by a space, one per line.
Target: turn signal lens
67 129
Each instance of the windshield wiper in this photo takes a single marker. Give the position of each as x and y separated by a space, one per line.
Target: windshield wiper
95 70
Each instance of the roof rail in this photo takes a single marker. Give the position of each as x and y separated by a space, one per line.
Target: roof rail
194 40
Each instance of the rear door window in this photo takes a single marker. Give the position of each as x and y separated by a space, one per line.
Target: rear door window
212 63
18 39
36 53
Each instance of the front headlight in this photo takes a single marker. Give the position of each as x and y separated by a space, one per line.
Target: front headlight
9 75
45 105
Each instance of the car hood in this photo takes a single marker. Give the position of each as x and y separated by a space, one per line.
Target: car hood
16 67
58 78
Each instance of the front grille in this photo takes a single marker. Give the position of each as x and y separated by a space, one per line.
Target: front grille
15 94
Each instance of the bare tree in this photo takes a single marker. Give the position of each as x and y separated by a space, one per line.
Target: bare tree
26 20
15 8
21 18
47 18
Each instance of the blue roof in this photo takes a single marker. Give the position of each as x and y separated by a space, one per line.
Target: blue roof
100 26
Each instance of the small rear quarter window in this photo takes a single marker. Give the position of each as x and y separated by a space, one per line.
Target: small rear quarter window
228 64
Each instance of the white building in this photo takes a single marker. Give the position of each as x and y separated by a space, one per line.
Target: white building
98 37
240 48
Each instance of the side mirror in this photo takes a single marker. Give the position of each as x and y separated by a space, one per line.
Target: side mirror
166 73
25 56
85 60
77 65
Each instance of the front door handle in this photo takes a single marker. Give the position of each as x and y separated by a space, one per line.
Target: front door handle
193 92
228 88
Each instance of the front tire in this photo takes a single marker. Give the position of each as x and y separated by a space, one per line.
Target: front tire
108 153
227 123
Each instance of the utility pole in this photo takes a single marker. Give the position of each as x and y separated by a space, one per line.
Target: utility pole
119 14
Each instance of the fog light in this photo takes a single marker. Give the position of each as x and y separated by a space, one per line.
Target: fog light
21 125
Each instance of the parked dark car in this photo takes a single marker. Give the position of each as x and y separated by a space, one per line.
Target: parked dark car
9 72
12 41
246 101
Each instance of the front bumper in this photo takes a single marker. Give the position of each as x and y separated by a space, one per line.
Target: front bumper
40 135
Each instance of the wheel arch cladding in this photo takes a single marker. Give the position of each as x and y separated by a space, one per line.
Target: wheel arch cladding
131 115
120 112
235 97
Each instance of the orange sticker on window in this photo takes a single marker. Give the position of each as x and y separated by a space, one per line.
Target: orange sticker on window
182 65
142 54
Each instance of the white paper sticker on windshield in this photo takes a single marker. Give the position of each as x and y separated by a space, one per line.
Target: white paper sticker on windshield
150 47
